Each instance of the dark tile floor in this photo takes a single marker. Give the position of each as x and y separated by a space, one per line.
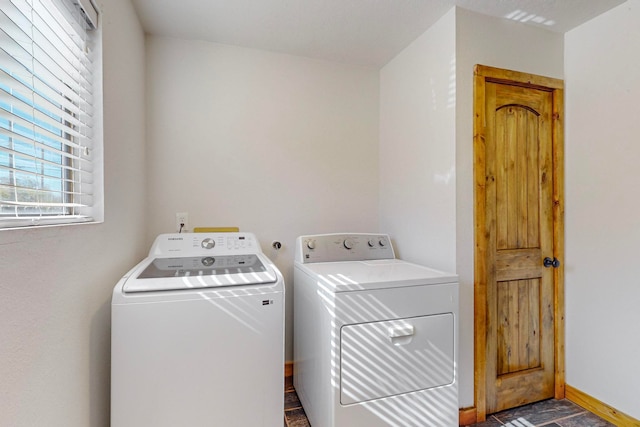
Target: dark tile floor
294 415
548 413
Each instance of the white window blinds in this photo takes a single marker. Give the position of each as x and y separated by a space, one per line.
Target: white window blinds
46 112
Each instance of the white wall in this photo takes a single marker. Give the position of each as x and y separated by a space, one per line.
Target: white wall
417 148
56 283
602 65
275 144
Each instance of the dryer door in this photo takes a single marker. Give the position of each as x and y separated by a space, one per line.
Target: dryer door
392 357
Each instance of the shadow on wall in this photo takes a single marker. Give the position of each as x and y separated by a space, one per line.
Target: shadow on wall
100 367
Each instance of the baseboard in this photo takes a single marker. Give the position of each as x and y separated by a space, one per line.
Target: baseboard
468 416
599 408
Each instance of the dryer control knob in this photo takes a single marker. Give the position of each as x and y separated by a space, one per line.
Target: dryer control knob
208 243
382 242
371 243
348 243
311 244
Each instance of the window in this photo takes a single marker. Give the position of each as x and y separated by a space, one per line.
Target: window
47 117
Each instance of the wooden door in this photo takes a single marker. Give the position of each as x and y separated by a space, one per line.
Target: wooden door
518 171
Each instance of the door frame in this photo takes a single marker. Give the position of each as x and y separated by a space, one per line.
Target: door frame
483 74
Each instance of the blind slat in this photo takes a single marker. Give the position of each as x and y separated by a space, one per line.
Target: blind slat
44 71
42 165
31 68
16 87
21 44
44 191
47 152
9 63
38 117
54 40
47 14
40 133
43 204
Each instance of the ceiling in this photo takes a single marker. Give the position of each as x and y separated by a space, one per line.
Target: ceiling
364 32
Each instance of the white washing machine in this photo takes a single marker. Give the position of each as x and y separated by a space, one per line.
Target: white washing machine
375 338
197 335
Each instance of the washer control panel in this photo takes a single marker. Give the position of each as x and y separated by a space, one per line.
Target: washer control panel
204 244
343 247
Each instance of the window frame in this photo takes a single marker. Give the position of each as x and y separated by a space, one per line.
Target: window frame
67 209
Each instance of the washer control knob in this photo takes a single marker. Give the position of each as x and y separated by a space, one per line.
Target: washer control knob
208 243
311 244
348 243
371 243
382 242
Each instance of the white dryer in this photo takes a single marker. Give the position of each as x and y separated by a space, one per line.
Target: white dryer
375 337
197 335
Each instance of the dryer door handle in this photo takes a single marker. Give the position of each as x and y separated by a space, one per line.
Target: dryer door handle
401 331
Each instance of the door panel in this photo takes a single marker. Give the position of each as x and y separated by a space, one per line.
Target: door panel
515 218
518 346
517 160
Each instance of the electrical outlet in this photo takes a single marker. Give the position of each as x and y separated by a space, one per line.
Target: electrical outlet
182 218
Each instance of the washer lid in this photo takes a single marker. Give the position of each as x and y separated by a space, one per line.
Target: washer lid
378 274
162 274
